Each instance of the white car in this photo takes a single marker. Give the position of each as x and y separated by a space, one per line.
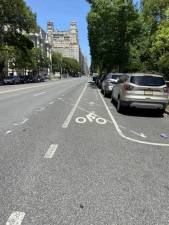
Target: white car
147 91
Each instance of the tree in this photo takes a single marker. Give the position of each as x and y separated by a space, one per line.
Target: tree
112 27
70 66
56 62
16 19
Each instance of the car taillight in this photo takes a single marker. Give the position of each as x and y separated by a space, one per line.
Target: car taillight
166 90
128 87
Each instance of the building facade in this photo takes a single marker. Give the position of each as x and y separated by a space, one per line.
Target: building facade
40 40
66 42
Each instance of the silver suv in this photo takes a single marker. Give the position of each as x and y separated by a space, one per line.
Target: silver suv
146 91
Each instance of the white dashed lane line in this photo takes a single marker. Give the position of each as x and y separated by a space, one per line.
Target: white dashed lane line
41 93
51 103
8 132
16 218
24 121
51 151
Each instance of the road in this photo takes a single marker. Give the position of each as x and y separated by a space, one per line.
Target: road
68 158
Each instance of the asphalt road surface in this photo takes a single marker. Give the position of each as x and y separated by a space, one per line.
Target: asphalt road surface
68 158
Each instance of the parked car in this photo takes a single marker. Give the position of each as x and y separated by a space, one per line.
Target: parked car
109 82
99 83
12 80
147 91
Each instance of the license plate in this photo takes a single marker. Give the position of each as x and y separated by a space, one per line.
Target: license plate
148 92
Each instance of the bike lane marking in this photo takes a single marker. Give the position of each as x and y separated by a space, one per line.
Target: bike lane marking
121 133
72 112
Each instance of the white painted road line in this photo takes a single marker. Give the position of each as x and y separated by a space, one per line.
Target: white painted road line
51 103
16 218
68 119
121 133
8 132
51 151
41 93
24 121
41 109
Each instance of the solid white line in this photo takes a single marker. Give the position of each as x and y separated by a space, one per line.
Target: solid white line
41 93
8 132
16 218
121 133
51 151
24 121
68 119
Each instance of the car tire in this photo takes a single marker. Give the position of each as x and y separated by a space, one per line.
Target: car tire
161 112
105 93
101 90
120 107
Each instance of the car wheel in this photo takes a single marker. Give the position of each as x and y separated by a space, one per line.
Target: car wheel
112 99
105 93
161 112
101 90
119 106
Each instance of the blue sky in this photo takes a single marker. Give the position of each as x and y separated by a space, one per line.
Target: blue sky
61 12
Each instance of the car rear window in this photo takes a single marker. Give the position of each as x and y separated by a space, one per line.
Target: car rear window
115 77
147 80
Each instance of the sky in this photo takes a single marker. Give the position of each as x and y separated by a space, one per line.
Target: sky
62 12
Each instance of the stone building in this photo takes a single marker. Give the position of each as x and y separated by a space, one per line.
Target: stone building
66 42
40 40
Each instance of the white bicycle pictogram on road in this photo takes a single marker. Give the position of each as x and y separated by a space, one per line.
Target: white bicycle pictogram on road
91 117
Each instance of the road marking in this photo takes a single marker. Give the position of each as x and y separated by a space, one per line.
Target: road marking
121 133
68 119
51 103
91 103
41 109
15 124
39 94
91 117
59 98
24 121
16 218
51 151
81 120
138 134
8 132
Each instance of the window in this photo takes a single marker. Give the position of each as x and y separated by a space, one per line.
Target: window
147 80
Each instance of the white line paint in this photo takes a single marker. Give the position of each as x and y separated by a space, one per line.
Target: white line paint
39 94
24 121
121 133
51 103
40 109
68 119
16 218
15 124
59 98
8 132
51 151
138 134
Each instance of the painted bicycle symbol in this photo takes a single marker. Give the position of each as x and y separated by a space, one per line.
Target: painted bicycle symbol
91 117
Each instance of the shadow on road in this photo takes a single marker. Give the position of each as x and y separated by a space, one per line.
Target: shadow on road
140 112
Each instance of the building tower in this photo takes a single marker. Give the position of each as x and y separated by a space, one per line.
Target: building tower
50 32
74 33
